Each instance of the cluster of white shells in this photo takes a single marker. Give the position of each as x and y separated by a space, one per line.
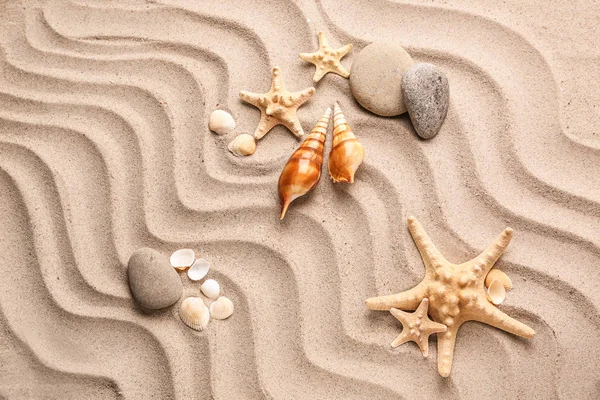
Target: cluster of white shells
193 311
222 123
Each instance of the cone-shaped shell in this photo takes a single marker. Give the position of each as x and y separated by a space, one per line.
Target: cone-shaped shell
347 153
303 170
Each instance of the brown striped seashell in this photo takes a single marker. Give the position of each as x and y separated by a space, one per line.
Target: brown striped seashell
303 170
347 153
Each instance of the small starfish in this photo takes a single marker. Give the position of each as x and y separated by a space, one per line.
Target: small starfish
277 106
417 327
327 59
456 293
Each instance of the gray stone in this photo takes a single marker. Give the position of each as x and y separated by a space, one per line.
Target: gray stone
376 78
153 281
426 95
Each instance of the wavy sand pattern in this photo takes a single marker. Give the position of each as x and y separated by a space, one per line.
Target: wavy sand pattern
104 148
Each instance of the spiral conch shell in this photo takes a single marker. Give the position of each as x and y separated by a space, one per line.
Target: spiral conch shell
347 153
303 170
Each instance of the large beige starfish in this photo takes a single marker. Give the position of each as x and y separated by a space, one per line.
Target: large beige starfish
327 59
417 327
277 106
456 293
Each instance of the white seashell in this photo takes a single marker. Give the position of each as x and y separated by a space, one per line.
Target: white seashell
496 274
496 292
222 308
194 313
242 145
211 288
221 122
199 269
183 258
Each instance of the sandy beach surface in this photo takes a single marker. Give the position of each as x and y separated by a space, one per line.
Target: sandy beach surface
104 148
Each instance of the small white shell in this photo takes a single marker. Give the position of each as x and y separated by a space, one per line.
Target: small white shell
194 313
222 308
242 145
183 258
211 288
199 269
221 122
496 292
496 274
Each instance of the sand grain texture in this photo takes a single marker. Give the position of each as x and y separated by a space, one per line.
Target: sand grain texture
105 148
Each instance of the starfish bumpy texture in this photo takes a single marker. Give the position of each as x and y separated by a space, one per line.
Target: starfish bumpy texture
277 106
417 327
327 59
456 293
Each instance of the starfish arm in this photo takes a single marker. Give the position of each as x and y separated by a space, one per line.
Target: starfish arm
301 97
319 73
401 339
400 315
423 306
490 255
491 315
264 126
276 80
341 71
310 57
322 40
430 254
408 300
344 50
293 124
424 345
252 98
446 343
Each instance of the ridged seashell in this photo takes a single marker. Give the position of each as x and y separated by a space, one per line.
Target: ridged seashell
211 288
347 153
221 122
194 313
303 170
496 274
199 269
222 308
242 145
182 258
496 292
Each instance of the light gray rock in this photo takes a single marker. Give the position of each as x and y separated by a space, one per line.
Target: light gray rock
376 78
153 281
426 95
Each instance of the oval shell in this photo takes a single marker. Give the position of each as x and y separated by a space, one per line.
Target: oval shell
496 292
303 169
347 153
221 122
199 269
242 145
211 288
222 308
194 313
496 274
182 258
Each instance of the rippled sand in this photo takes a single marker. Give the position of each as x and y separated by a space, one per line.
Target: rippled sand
104 148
